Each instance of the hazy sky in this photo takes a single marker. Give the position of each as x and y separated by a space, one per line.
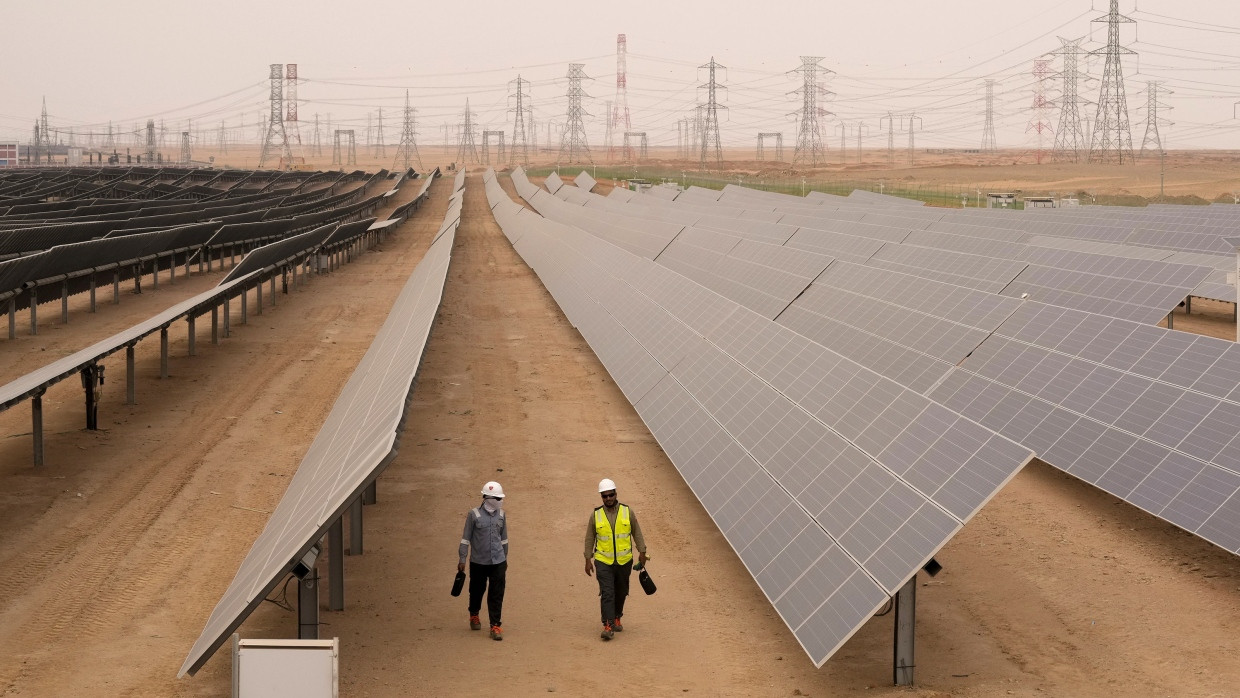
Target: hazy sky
127 61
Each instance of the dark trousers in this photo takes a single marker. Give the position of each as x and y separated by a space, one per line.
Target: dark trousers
489 578
613 587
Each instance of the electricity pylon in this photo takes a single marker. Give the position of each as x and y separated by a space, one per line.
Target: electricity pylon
1069 137
407 151
573 145
275 125
989 145
1152 120
810 149
520 153
710 118
1112 139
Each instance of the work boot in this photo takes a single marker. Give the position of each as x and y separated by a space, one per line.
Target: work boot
616 625
496 633
475 623
607 634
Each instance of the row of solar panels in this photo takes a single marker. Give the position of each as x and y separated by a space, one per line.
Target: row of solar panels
358 439
25 237
75 263
252 269
1141 290
82 191
1145 413
833 484
1192 236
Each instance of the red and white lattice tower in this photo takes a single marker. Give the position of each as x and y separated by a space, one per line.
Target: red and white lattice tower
620 107
1040 122
290 102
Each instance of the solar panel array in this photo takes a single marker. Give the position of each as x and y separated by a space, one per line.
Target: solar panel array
1113 401
356 440
833 484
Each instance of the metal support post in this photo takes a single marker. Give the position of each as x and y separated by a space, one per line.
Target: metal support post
92 292
131 389
155 274
245 292
370 495
13 318
36 430
905 623
192 335
34 310
92 378
272 292
172 269
64 302
163 352
137 279
215 324
1171 320
203 251
335 565
227 316
355 527
1188 305
308 606
258 298
116 286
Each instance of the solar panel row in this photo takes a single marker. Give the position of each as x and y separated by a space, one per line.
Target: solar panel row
833 484
356 440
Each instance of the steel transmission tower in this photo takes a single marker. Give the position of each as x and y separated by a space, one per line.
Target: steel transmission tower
989 144
407 151
45 135
1112 138
1069 137
318 142
290 101
467 151
150 140
1152 120
618 119
810 149
573 144
520 152
185 151
1040 122
710 119
275 126
380 150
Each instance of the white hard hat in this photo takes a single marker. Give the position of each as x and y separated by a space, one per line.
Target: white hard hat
606 485
493 489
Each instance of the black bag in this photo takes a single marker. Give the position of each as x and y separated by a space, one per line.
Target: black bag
458 583
647 583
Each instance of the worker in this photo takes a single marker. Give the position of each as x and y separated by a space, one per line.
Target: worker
485 542
611 534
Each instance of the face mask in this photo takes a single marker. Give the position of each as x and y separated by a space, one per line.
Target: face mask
492 505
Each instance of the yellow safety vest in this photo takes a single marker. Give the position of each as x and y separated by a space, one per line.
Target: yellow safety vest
608 543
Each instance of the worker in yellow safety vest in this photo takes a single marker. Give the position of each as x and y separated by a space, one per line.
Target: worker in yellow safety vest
611 534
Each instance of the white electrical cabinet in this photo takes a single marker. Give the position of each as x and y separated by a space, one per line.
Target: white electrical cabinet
278 668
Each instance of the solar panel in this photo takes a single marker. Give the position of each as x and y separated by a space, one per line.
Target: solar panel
584 181
785 443
553 182
356 438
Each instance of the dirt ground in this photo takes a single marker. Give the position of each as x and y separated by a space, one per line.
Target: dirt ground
115 552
